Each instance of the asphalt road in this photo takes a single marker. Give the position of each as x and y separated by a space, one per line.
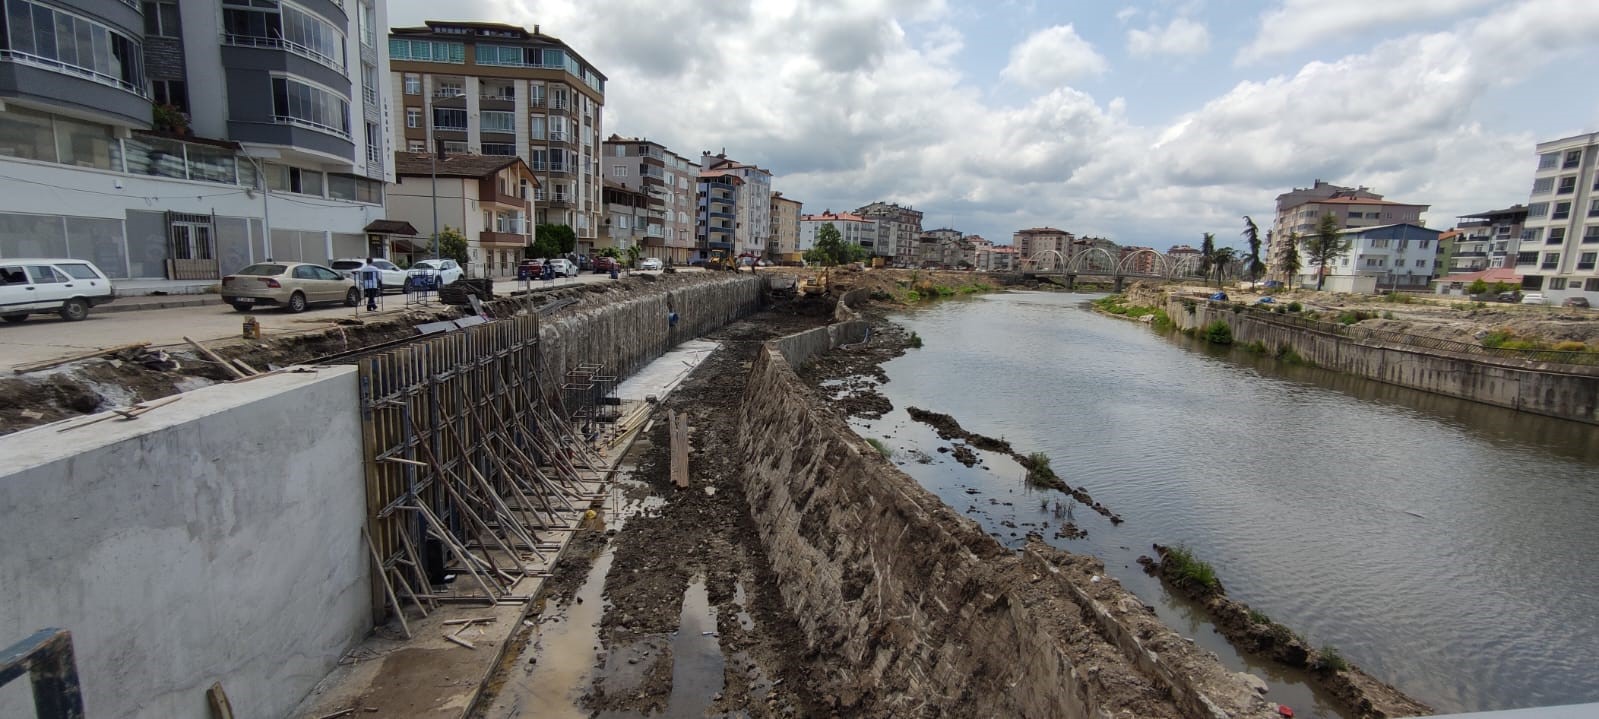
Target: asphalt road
46 337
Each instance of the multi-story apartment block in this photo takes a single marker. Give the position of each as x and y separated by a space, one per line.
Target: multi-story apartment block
1142 261
1300 211
1401 256
1002 258
718 197
753 224
897 230
489 198
852 228
1488 240
976 252
784 245
666 176
166 140
633 218
1037 247
493 89
1560 243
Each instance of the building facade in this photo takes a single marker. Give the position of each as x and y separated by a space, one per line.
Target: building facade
785 242
666 176
1560 242
488 198
493 89
1036 247
1386 257
852 229
897 230
753 224
718 196
1488 240
633 219
1002 258
183 141
1300 211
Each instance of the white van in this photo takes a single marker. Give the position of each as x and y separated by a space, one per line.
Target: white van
64 287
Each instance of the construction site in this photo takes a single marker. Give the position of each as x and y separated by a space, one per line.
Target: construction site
612 501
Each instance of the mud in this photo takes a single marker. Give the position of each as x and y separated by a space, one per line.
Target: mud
1362 695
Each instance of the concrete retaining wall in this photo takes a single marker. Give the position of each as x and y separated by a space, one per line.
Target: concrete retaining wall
217 538
1564 391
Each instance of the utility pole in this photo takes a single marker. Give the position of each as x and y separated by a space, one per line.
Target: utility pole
438 150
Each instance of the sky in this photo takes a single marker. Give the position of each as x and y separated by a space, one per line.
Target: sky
1146 122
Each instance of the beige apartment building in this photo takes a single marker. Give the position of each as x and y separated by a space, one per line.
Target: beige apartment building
1036 247
668 177
494 89
1300 210
784 245
489 199
897 230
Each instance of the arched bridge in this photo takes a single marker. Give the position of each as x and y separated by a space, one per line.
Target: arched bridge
1099 263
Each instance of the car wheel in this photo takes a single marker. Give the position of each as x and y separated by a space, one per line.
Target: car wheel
239 307
74 310
14 319
352 297
296 302
407 287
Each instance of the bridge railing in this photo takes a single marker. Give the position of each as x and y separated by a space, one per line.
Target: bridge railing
1356 332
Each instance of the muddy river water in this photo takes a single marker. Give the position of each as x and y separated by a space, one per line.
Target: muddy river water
1444 546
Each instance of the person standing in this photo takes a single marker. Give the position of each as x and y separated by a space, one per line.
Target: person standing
371 281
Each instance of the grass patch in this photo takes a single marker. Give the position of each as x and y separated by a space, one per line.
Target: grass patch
1117 305
1287 355
1039 473
1256 347
1398 298
1162 321
1330 660
1350 317
915 340
1571 346
1186 568
1218 333
883 449
1259 617
913 296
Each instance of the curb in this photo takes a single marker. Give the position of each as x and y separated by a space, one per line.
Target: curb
172 303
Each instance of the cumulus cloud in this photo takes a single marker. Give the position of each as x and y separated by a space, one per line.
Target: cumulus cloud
1053 57
1297 24
1181 36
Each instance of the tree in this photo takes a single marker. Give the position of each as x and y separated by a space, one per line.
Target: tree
1290 262
452 245
1221 259
1207 251
562 239
1477 287
633 253
831 249
1252 236
1325 246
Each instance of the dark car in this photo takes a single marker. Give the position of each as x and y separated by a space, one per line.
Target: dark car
529 269
1575 302
1511 297
603 265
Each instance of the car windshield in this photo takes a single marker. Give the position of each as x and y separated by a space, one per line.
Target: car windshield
423 265
348 264
263 270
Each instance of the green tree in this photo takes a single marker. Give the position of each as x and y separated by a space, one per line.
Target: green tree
1325 246
1220 260
1207 253
1290 263
1252 236
633 253
563 239
1477 287
452 245
831 249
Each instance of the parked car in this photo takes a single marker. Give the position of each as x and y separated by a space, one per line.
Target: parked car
1534 298
390 276
1575 302
437 272
651 263
1509 297
529 268
563 267
293 286
604 264
64 287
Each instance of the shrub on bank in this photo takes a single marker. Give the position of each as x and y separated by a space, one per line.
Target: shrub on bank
1186 568
1218 333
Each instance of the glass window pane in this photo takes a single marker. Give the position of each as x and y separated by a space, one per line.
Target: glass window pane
44 32
66 39
20 21
311 183
84 144
26 134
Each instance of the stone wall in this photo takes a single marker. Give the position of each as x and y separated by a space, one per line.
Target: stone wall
216 538
1564 391
916 611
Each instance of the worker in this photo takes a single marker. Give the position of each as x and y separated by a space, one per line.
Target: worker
370 278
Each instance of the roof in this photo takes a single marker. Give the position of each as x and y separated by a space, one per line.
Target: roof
831 216
423 164
1362 230
1042 230
1493 274
1510 211
390 227
1357 201
720 173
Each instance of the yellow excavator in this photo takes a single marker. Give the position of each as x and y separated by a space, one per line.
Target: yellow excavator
720 260
815 285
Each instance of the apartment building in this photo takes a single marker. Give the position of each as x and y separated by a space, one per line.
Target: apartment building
1043 248
182 141
1560 240
718 196
784 245
1300 211
897 230
852 228
752 225
1385 257
489 198
633 219
975 253
1002 258
494 89
668 177
1142 261
1488 240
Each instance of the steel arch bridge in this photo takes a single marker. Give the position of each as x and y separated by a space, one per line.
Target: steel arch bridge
1099 262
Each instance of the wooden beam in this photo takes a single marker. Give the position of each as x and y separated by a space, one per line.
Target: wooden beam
214 357
679 433
47 364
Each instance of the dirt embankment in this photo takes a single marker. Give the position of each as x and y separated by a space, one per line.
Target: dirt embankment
1363 695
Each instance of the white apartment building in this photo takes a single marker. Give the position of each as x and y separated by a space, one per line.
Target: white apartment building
182 141
852 228
1560 239
1488 240
1386 257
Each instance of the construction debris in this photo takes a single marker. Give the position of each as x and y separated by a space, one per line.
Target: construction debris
47 364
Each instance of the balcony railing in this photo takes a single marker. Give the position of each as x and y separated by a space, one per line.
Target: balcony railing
288 120
538 166
23 58
508 95
563 197
536 101
370 95
275 43
448 94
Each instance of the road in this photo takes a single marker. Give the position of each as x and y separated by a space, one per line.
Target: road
47 337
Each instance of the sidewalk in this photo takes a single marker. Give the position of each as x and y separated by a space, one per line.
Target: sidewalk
158 302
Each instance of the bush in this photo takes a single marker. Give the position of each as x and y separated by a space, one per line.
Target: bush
1295 307
1188 569
1352 316
1330 660
1387 315
1162 321
1496 338
913 296
1039 473
1287 355
1570 346
1259 617
1256 347
883 449
1218 333
915 340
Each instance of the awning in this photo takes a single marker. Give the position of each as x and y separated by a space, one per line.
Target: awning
390 227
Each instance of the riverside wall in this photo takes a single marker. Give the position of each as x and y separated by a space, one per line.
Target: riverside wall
917 610
1564 391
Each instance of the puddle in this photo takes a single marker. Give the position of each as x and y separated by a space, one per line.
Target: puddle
565 643
694 652
745 621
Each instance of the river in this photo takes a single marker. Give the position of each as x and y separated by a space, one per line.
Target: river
1444 546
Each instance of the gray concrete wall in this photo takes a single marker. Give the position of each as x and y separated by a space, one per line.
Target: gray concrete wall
217 538
1564 391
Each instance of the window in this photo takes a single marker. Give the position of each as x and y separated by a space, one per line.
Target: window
1548 161
1593 208
448 88
1537 209
498 121
1551 260
61 42
413 83
1526 258
1585 261
535 127
1573 158
427 50
1543 185
87 145
45 275
1568 185
369 31
413 117
161 19
619 170
1557 283
1557 235
1425 244
355 189
449 118
171 92
1590 234
1562 211
536 95
1532 234
282 178
499 148
1421 263
1591 285
455 148
299 103
416 146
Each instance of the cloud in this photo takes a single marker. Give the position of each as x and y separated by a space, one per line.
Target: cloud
1298 24
1181 37
1053 57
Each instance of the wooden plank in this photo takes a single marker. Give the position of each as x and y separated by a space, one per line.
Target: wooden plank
214 357
221 708
47 364
679 433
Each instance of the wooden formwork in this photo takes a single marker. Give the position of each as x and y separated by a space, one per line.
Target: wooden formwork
468 455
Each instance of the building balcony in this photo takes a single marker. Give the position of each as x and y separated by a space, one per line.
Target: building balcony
1471 254
52 83
722 215
515 239
273 43
560 168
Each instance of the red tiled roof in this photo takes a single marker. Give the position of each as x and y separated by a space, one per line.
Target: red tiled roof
1494 274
